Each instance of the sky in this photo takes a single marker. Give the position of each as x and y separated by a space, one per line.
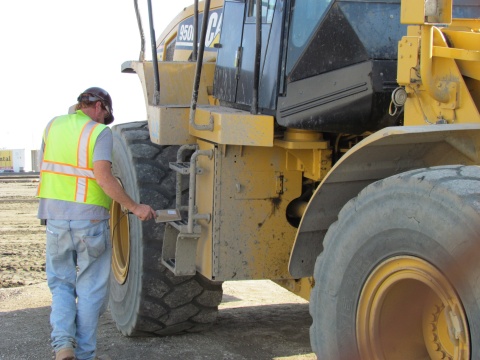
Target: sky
52 50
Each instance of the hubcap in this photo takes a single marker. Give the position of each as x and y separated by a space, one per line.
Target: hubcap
120 235
409 310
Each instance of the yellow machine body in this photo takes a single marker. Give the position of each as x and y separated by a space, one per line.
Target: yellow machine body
442 81
256 171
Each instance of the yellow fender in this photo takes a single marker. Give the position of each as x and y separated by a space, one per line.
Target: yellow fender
390 151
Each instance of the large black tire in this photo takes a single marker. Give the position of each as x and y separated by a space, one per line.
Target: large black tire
405 243
150 299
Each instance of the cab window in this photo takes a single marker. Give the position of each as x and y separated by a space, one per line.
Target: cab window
306 16
268 7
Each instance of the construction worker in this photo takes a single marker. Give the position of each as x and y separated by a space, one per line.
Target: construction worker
75 190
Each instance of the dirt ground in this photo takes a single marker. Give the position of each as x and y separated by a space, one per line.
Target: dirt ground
22 238
257 319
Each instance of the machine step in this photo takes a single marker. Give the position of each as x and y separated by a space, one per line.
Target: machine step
179 249
180 167
182 226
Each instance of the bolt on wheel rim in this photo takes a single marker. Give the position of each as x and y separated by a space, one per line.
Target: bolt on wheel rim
409 310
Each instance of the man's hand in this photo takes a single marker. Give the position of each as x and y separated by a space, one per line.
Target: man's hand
103 175
144 212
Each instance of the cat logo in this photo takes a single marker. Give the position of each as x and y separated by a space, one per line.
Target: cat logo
185 30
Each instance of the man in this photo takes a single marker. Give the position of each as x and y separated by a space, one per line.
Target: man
75 190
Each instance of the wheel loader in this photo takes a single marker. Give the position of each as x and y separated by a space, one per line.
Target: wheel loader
331 146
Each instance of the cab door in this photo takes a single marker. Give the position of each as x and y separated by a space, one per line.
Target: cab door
270 48
229 52
236 54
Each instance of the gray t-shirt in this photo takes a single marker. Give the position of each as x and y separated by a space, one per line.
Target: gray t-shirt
65 210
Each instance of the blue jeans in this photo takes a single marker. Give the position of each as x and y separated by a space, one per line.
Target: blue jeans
78 270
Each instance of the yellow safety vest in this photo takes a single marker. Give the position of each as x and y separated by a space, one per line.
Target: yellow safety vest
67 167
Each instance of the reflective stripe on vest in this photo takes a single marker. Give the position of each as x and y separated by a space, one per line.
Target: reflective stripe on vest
83 144
66 169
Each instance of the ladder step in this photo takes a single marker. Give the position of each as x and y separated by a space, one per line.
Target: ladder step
180 167
182 226
179 251
171 264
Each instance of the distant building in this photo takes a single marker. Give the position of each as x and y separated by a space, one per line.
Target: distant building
19 160
35 160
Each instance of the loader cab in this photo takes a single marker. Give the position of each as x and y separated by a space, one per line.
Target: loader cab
326 65
287 27
319 61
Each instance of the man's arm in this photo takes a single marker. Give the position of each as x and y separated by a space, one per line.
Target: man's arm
104 177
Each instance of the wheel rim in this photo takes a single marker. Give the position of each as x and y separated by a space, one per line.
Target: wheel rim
120 235
408 310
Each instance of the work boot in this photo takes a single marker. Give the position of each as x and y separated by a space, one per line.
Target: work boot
65 354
